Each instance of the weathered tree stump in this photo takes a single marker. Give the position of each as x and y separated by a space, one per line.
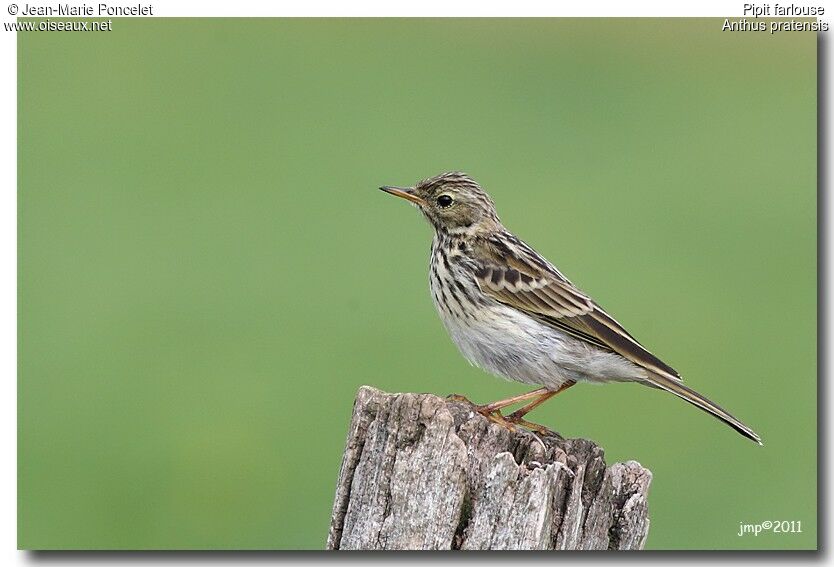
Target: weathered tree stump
423 472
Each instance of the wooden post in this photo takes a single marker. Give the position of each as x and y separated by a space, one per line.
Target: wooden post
423 472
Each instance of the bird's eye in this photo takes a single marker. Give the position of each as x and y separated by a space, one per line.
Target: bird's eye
444 201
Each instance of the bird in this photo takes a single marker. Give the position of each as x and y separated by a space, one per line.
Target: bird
512 313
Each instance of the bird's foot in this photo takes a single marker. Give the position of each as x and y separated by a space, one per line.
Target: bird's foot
486 410
520 421
494 416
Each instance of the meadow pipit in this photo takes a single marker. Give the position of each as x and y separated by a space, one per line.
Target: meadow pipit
512 313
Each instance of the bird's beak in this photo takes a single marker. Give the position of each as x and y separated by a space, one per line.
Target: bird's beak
406 193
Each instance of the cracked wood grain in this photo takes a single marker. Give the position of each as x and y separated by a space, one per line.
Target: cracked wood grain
421 472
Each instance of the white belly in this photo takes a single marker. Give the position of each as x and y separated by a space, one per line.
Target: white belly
512 345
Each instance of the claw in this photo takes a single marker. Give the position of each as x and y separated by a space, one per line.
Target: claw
540 429
494 416
499 419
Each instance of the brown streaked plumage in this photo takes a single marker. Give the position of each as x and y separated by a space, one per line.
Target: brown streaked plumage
512 312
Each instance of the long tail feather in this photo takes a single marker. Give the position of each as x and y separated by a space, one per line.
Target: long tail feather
703 403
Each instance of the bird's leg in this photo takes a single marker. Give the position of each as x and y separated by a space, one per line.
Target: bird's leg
500 404
518 415
521 412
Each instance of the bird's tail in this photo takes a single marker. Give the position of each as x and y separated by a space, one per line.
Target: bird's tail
701 402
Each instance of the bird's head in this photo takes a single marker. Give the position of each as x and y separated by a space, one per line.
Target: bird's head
453 203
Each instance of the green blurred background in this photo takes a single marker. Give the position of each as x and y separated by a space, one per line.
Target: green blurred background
208 273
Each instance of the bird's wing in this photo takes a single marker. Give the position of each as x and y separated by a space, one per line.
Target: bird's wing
515 275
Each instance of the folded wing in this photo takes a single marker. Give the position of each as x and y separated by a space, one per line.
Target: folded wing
517 276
